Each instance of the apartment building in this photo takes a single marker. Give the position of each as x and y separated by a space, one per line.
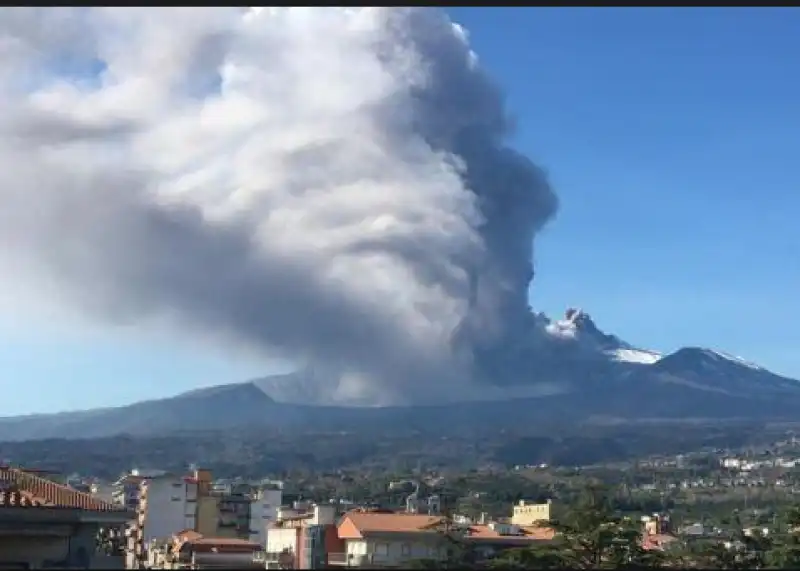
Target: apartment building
235 514
657 532
491 539
376 539
125 491
265 501
380 539
105 493
50 525
303 537
530 514
168 504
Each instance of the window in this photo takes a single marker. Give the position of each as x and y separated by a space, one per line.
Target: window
177 485
176 498
381 549
405 549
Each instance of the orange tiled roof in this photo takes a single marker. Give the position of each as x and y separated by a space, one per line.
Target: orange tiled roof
372 522
41 492
657 541
224 541
188 535
528 533
222 545
539 532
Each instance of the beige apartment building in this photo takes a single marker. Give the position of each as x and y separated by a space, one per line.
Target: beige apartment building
530 514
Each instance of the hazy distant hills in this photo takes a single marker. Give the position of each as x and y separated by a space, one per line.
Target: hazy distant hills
630 383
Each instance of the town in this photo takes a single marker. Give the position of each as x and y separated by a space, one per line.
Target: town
409 287
679 507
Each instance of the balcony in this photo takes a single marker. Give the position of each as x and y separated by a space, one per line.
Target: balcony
279 560
353 560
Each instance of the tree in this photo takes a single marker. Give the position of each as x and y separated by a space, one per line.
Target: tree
713 555
744 550
590 535
547 556
785 551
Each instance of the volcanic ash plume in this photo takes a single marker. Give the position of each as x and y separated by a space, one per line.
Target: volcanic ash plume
328 185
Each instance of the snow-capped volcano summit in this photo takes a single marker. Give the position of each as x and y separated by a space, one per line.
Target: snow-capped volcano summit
577 325
576 355
588 374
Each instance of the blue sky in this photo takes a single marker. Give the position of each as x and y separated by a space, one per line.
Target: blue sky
671 136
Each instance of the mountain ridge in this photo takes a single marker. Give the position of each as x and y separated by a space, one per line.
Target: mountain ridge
593 375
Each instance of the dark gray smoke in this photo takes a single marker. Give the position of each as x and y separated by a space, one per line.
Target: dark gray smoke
327 185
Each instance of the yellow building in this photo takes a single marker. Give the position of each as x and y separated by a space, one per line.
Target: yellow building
527 514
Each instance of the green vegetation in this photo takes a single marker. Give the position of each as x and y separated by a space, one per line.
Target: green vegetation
593 534
259 451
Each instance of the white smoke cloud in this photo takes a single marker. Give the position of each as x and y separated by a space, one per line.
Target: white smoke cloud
328 185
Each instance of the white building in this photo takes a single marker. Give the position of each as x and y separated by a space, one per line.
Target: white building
733 463
264 506
125 491
167 506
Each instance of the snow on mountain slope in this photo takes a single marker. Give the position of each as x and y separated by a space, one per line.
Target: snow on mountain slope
717 371
734 358
641 356
580 356
578 326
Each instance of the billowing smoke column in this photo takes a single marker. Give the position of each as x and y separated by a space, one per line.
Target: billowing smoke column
327 185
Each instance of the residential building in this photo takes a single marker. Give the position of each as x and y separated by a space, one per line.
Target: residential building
46 524
386 539
303 538
491 539
528 514
235 512
380 539
125 491
104 492
200 552
656 524
697 529
169 504
265 502
657 532
283 546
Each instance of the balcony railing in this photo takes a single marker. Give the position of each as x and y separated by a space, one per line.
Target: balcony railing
279 558
353 560
337 558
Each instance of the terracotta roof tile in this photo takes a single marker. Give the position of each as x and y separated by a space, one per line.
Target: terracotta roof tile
371 522
188 535
657 541
223 545
539 532
529 533
42 492
223 541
